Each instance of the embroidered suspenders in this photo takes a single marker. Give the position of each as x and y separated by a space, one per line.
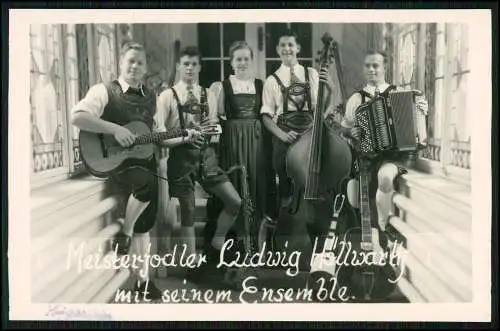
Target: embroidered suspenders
287 92
182 109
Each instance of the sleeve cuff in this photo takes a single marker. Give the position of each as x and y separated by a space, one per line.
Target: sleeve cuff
267 111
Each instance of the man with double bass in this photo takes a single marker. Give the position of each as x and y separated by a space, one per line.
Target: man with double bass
290 97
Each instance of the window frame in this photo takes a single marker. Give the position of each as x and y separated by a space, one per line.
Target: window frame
445 145
70 169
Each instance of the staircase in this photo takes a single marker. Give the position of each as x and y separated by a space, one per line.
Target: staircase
70 219
435 225
167 235
433 222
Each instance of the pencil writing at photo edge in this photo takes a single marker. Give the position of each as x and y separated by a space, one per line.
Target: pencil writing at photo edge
250 163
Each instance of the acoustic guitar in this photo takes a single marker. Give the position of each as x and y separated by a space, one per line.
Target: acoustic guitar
103 155
374 277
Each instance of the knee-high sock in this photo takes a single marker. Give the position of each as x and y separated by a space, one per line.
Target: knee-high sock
224 223
132 213
353 193
384 207
141 246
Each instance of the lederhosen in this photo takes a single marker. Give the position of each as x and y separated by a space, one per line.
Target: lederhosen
298 120
138 178
187 164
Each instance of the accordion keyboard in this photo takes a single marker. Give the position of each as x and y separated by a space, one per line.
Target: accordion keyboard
365 144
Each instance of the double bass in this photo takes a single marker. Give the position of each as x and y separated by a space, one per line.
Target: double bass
328 154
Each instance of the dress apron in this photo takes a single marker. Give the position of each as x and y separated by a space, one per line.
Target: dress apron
242 143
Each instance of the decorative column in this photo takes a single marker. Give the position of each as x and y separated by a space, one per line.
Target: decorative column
430 76
447 100
389 51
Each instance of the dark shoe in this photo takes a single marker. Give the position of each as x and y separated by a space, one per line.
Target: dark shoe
148 290
121 243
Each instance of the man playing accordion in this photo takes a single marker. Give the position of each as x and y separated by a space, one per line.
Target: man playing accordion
383 167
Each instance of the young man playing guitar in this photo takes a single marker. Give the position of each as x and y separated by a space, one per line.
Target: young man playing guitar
105 109
189 105
384 171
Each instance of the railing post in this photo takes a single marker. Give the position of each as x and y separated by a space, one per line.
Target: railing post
421 48
447 100
91 47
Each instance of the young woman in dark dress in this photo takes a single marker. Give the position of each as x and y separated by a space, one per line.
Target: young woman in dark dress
244 140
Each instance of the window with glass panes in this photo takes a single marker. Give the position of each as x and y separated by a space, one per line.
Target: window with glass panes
214 40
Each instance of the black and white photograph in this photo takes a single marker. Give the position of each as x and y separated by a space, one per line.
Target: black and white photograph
290 159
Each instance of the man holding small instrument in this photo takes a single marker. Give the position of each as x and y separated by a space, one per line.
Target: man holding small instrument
106 109
374 71
189 105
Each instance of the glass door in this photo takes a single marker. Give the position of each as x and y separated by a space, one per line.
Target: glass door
214 40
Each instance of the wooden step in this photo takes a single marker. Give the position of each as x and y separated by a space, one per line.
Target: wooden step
449 200
58 252
432 288
410 292
66 258
65 214
66 280
436 260
107 293
76 293
64 228
47 200
433 222
93 291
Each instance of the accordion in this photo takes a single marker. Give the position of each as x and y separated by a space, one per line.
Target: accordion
389 124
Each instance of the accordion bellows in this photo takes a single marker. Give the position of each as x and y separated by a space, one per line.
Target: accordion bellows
388 124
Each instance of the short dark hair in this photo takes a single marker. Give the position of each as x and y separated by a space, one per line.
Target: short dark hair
289 33
131 45
189 51
239 45
377 52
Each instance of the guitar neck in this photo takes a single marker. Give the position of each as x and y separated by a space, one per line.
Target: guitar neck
157 137
366 231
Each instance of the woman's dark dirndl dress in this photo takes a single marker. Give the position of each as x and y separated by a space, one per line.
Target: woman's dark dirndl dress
243 142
